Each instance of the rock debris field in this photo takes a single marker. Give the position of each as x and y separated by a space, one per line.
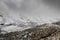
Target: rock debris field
40 32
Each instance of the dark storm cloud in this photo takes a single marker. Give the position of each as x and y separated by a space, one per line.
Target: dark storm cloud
53 3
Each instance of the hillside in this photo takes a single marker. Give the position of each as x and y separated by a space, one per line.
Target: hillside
44 32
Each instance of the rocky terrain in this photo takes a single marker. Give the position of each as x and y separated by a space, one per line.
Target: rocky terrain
29 19
41 32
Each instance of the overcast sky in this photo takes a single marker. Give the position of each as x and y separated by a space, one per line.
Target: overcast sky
46 10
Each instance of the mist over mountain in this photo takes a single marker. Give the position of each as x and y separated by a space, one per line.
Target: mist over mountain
23 14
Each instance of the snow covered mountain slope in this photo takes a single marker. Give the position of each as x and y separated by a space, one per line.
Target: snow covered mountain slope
8 24
27 13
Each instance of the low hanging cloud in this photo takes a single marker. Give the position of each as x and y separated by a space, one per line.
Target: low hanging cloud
21 11
30 8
